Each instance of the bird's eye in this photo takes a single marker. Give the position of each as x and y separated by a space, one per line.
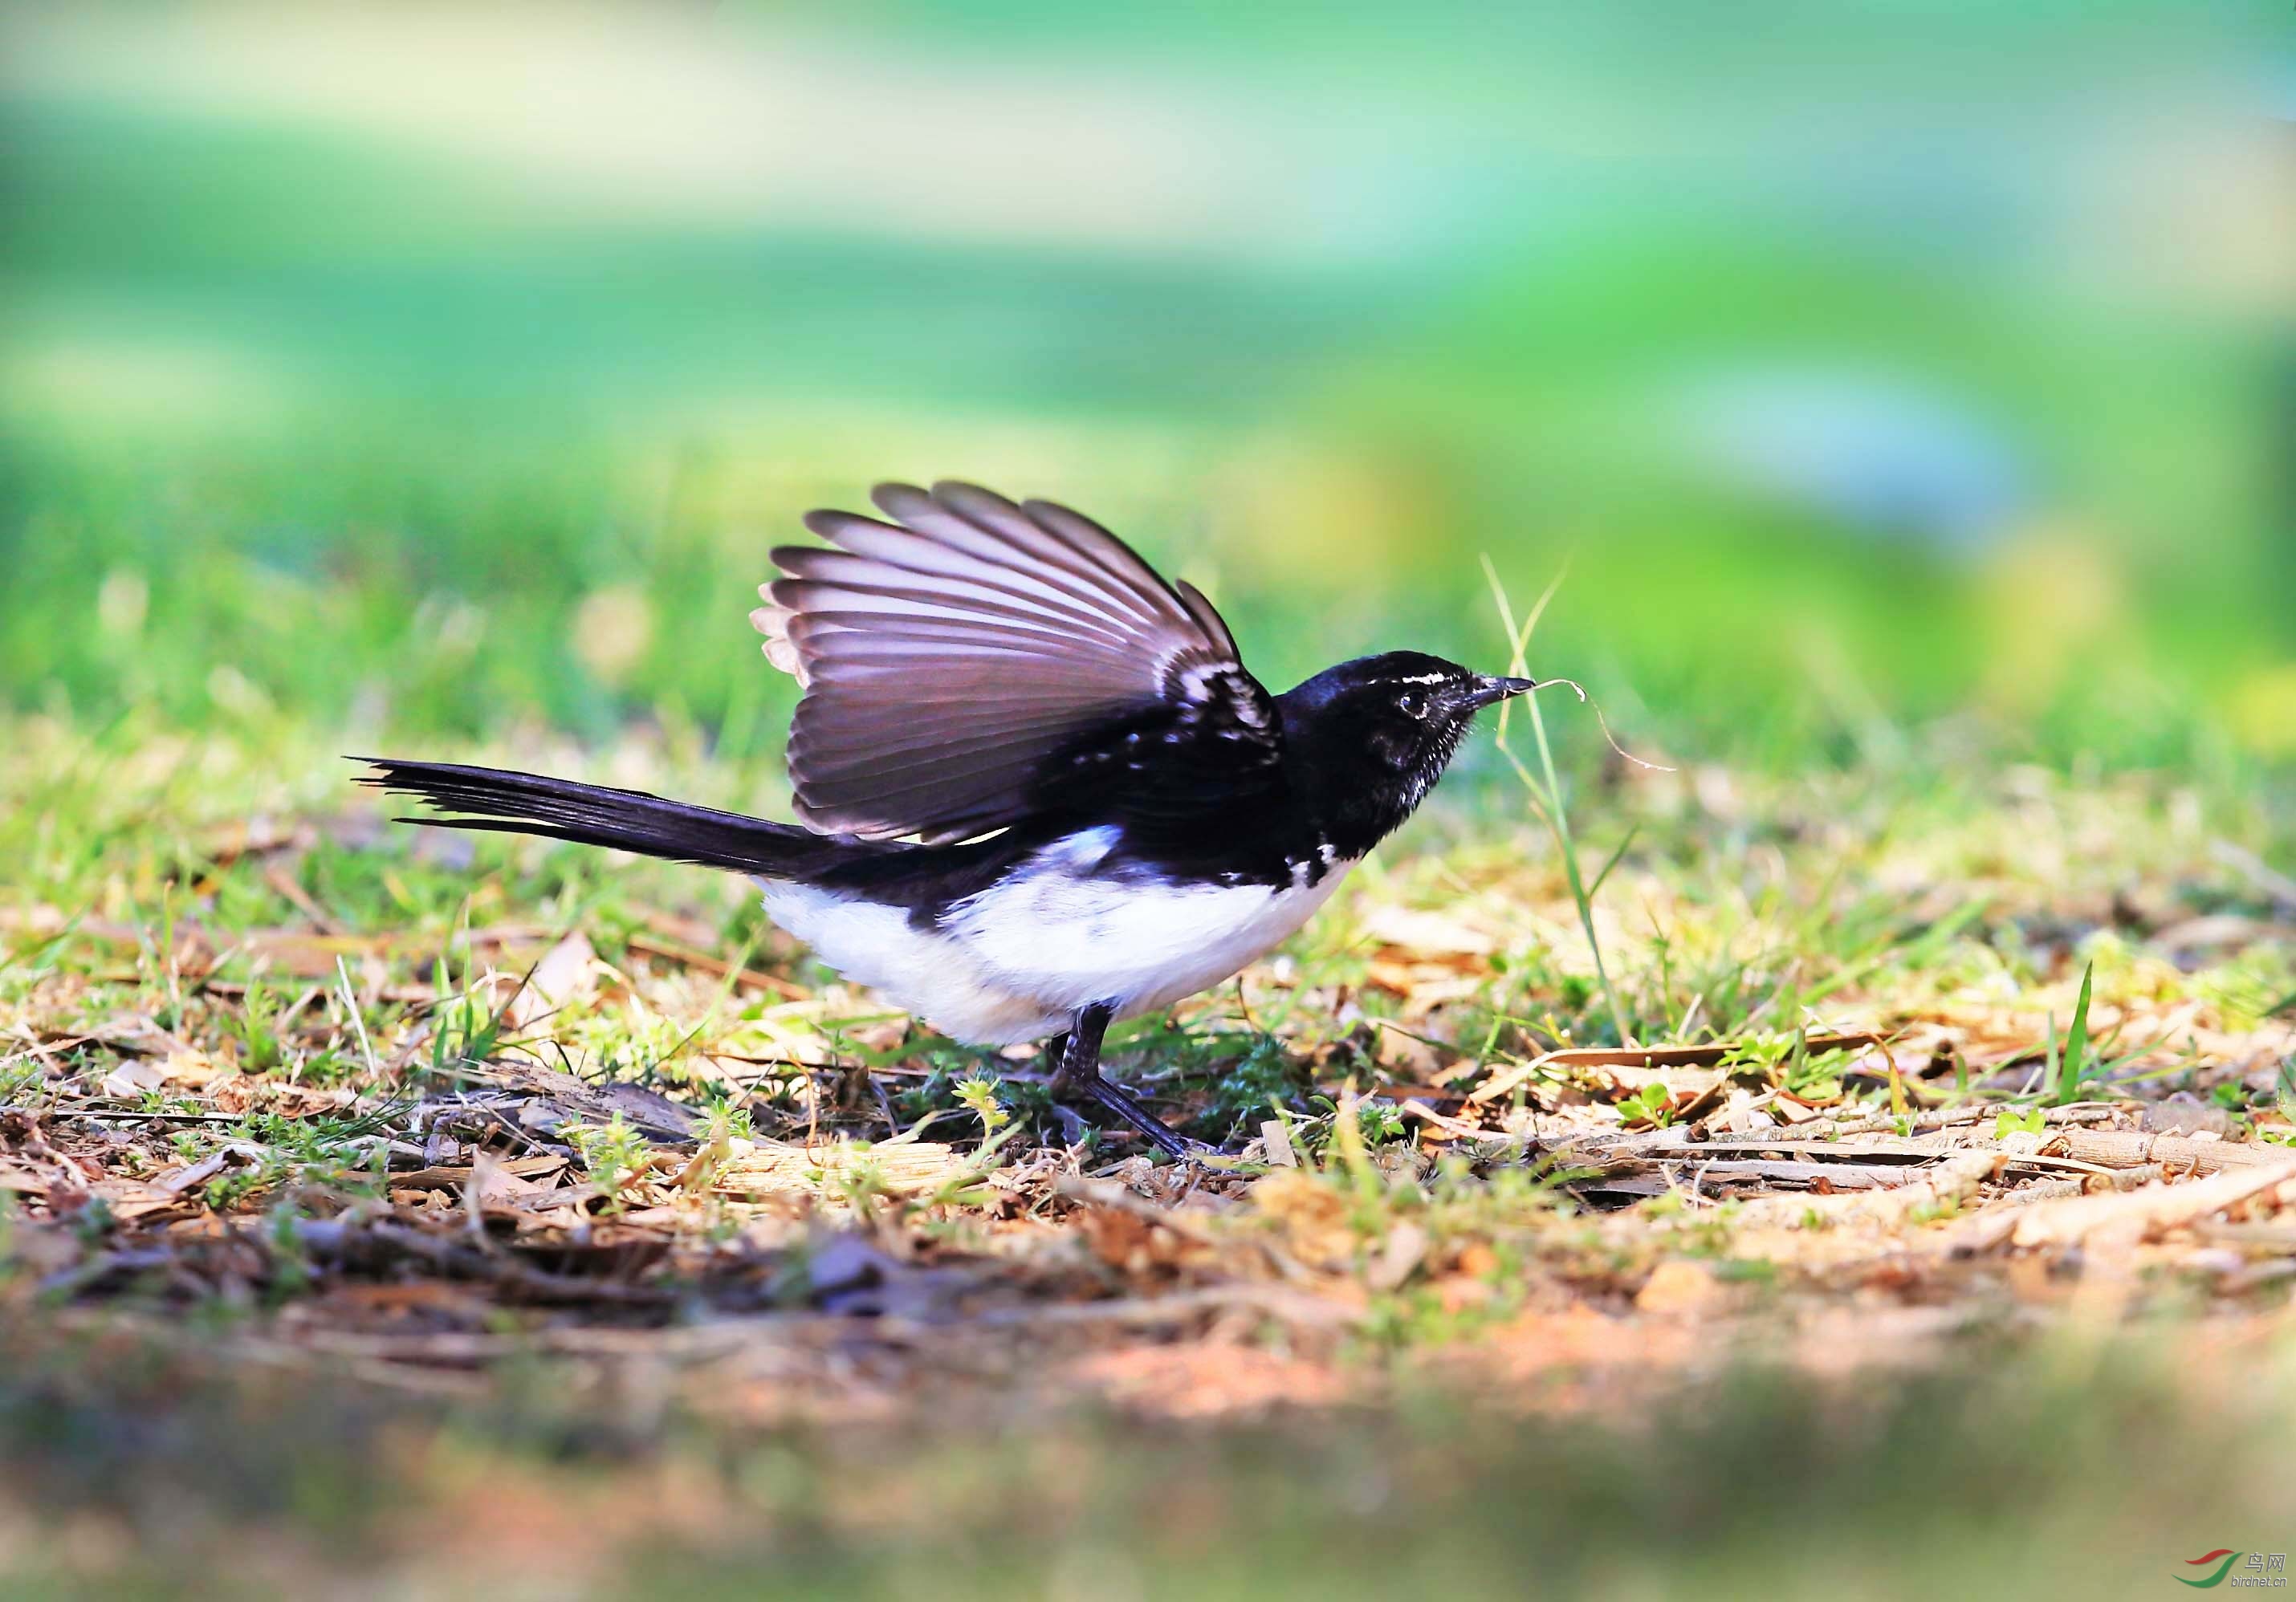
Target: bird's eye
1411 703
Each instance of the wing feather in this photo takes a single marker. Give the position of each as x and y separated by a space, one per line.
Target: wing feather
873 550
975 659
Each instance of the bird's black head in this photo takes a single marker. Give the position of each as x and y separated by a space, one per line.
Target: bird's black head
1371 737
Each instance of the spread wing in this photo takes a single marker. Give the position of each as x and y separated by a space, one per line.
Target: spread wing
973 661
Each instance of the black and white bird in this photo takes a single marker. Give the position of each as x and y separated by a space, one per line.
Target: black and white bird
1037 789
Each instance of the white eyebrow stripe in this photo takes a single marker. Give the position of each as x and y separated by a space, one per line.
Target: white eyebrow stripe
1425 678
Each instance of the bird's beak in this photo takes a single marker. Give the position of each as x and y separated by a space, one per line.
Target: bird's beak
1489 691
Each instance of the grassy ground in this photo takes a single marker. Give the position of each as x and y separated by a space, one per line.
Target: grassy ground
390 1205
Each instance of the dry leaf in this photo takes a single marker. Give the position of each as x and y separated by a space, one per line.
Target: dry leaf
134 1079
567 973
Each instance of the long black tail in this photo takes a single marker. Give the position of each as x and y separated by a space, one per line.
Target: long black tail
591 815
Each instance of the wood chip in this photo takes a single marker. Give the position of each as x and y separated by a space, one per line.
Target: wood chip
774 1169
2129 1216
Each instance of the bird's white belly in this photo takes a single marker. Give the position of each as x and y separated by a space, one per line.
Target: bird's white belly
923 971
1017 961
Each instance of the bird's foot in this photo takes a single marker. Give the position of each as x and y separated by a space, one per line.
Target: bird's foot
1122 1106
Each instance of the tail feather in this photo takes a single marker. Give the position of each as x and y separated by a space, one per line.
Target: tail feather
593 815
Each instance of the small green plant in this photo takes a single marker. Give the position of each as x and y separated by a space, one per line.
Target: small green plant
1652 1104
978 1097
226 1191
1814 1078
1380 1121
1934 1212
1755 1053
466 1033
16 1077
613 1152
2030 1121
1372 1122
255 1025
2281 1132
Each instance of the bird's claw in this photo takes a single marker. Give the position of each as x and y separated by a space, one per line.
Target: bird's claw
1127 1109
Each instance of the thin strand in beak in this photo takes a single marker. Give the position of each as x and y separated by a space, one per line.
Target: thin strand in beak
1603 723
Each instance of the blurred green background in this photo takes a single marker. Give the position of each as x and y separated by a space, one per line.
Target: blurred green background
440 370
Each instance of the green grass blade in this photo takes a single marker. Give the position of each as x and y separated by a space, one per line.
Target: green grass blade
1595 885
2070 1072
1549 790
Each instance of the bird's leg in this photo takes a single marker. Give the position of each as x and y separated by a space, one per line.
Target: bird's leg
1078 1079
1048 1063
